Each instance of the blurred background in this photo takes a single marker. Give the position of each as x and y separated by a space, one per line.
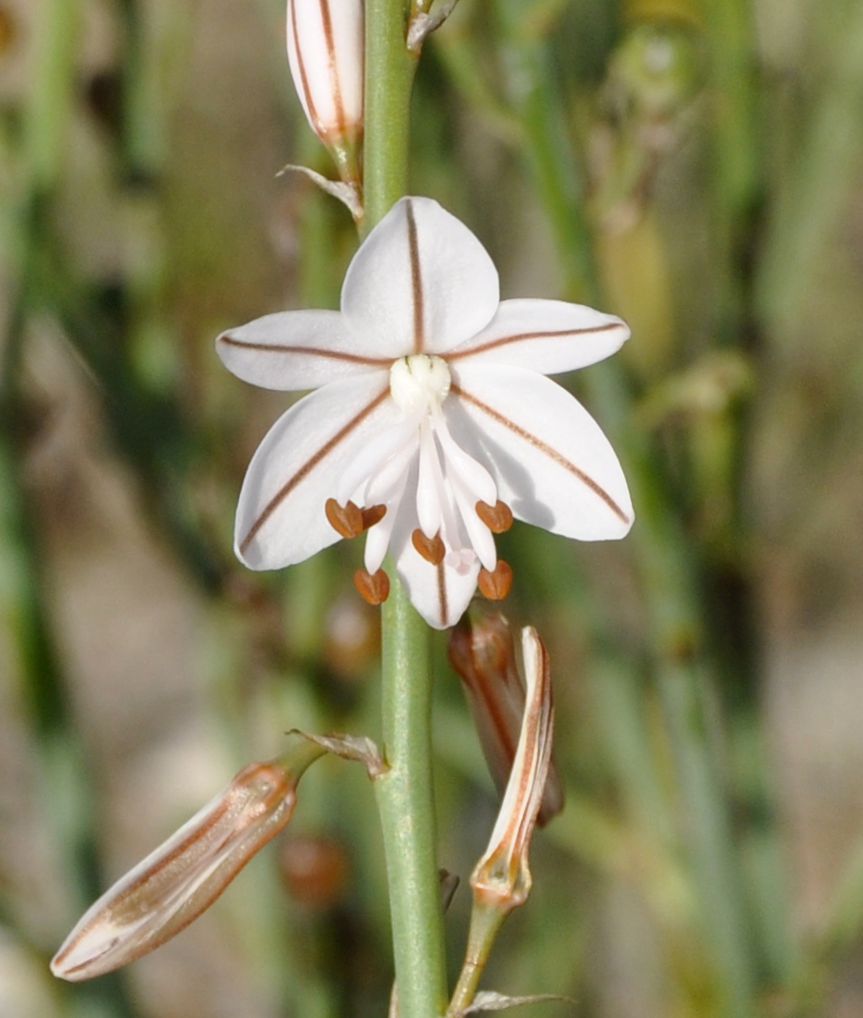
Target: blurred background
694 165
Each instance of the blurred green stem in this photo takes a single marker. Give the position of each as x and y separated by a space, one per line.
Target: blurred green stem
404 794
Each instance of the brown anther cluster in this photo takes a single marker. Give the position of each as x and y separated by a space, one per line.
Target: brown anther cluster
431 548
372 515
372 588
498 518
349 520
496 585
346 520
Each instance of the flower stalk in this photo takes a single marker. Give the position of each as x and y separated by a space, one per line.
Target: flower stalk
405 794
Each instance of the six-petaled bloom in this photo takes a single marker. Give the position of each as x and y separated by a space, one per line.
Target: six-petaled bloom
432 423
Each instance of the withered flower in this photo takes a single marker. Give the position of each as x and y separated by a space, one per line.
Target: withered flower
184 876
501 879
482 652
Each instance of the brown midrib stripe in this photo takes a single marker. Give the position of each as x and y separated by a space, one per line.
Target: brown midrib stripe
307 467
416 281
536 722
315 351
441 593
335 83
504 736
504 340
304 79
553 454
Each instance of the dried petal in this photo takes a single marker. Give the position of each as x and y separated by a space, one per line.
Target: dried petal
502 878
483 655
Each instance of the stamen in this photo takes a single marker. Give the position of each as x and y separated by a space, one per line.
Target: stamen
431 548
498 518
373 514
346 520
497 584
349 520
374 588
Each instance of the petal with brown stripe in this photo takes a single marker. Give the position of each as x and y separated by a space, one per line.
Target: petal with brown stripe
548 336
421 279
296 350
440 593
280 516
552 464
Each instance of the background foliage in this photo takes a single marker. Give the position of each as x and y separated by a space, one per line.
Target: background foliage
694 165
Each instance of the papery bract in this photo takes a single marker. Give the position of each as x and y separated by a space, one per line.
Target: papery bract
432 424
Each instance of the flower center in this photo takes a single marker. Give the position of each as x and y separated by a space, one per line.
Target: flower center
419 382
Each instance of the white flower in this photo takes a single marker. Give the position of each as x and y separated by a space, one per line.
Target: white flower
432 423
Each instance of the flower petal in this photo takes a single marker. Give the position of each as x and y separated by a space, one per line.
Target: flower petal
421 282
553 465
439 593
294 350
280 516
547 336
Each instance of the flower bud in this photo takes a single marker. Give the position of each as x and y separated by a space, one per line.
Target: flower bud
501 879
484 657
325 53
184 876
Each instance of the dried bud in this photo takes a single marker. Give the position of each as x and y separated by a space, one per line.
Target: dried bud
173 885
325 53
483 655
502 880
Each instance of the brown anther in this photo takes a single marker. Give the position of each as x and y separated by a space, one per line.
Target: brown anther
497 517
374 589
496 585
346 520
374 514
431 548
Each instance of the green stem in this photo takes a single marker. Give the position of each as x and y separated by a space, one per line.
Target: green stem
405 793
406 805
389 76
485 924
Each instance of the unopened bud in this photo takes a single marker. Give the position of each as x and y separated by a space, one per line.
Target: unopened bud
184 876
501 880
483 655
325 53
